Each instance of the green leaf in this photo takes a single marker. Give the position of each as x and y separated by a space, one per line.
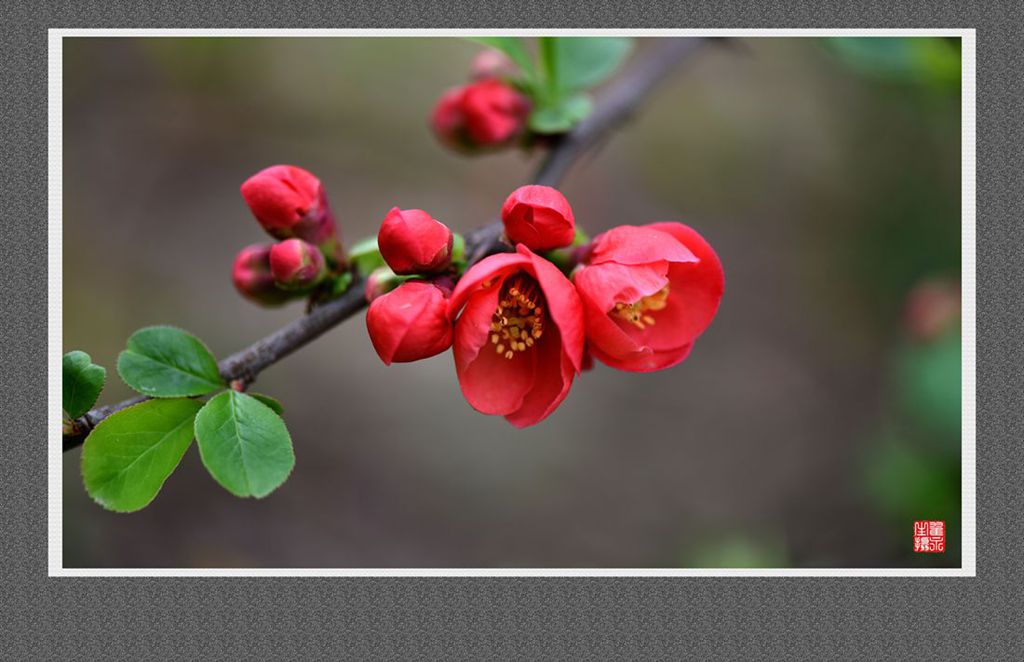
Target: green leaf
583 62
244 444
130 454
928 60
737 551
83 381
906 483
515 49
270 402
365 256
165 362
929 386
561 117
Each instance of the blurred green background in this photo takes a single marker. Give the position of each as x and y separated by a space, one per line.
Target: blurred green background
810 426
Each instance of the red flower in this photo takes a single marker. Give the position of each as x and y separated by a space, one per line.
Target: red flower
648 292
290 202
519 338
486 113
412 242
539 217
296 264
252 278
409 323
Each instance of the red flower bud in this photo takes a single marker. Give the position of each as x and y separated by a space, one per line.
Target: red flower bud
486 113
253 279
409 323
539 217
290 202
932 307
296 264
492 63
412 242
380 281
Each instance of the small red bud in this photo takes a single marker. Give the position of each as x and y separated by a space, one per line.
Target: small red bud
932 307
253 279
492 63
290 202
409 323
483 114
539 217
296 264
380 281
412 242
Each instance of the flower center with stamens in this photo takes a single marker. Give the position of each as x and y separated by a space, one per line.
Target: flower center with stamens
638 312
518 321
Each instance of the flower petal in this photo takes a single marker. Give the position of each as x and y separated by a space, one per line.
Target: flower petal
629 244
695 289
474 325
563 304
495 266
643 362
551 382
493 384
610 283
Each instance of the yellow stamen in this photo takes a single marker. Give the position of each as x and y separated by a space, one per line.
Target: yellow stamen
636 313
518 321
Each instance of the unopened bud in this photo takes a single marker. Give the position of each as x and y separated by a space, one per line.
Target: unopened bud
409 323
253 279
492 63
412 242
297 265
539 217
290 202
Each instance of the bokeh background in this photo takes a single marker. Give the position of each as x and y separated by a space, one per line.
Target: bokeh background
816 419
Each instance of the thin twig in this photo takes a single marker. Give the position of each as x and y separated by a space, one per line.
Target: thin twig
618 102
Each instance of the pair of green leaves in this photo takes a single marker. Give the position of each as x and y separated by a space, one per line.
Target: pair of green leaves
567 67
243 442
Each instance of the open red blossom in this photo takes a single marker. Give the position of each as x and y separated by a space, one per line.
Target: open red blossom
412 242
253 279
290 202
296 264
648 293
519 338
539 217
409 323
485 113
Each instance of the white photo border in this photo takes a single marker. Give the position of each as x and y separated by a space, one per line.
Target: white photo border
968 302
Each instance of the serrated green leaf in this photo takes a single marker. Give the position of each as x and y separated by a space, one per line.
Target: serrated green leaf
166 362
129 455
515 49
561 117
583 62
244 444
83 381
270 402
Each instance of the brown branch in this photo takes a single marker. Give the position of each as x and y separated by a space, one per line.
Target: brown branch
618 102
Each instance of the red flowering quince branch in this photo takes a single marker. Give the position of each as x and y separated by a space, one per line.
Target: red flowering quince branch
523 303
